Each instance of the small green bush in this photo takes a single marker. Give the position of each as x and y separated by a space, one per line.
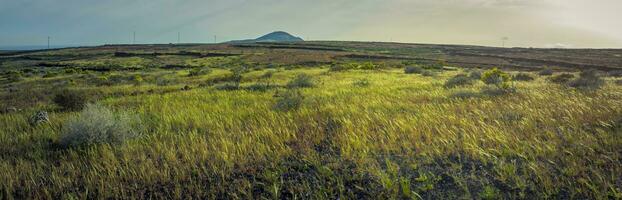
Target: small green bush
497 78
268 74
496 91
70 71
14 76
562 78
97 124
228 86
413 70
475 74
615 73
428 73
361 83
458 80
343 67
522 76
588 80
50 75
546 72
199 71
464 94
288 100
70 100
259 87
301 81
367 66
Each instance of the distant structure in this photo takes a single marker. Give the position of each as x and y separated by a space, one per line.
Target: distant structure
134 37
48 42
178 38
503 39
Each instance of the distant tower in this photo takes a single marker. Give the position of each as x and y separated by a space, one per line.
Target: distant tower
178 37
215 39
48 42
503 41
134 37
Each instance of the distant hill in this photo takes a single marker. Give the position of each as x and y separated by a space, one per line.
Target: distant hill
277 36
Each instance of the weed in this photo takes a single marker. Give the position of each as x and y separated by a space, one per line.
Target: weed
522 76
615 73
288 100
458 80
301 81
260 87
588 80
464 94
475 74
362 82
228 86
97 124
199 71
546 72
562 78
413 70
70 100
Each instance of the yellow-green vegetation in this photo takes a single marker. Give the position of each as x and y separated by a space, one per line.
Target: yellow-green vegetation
351 134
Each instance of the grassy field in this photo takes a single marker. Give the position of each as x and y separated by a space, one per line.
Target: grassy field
378 133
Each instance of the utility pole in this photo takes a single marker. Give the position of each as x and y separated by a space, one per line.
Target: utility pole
503 41
134 38
178 37
215 39
48 42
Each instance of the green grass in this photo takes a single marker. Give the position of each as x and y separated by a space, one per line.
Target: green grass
401 136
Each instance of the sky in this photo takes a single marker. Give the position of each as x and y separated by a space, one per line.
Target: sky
525 23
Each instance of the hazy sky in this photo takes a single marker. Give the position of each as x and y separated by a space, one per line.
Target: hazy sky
536 23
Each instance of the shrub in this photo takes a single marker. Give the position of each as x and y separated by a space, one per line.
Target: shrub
289 100
523 77
228 86
615 73
97 124
70 99
562 78
137 79
413 70
464 94
70 71
618 82
587 80
199 71
301 81
342 67
361 83
260 87
14 76
268 74
50 75
367 66
428 73
458 80
496 91
496 77
163 81
475 74
546 72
